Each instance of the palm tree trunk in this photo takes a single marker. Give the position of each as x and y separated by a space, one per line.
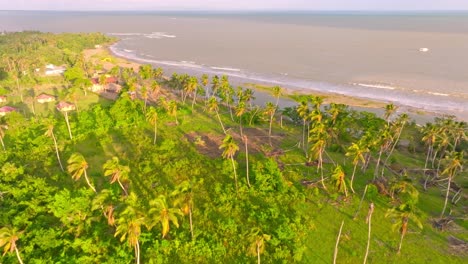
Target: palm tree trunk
335 254
230 111
377 165
240 126
57 151
123 188
429 151
68 124
360 203
18 256
247 160
401 239
269 129
155 132
87 181
352 178
194 98
321 170
446 197
303 136
391 151
235 175
369 221
220 122
137 252
258 253
191 223
1 141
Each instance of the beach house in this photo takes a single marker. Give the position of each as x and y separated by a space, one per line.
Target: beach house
6 109
3 99
45 98
65 107
110 83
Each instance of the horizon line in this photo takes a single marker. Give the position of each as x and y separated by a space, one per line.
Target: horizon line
245 10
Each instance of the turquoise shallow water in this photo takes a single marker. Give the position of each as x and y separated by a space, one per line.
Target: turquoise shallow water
371 55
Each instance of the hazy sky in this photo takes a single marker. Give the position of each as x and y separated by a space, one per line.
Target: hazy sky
233 4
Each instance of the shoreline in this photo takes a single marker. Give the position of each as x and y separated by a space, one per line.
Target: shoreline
358 103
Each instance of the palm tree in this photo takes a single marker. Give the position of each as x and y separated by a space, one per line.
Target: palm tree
117 172
240 111
145 96
50 133
3 126
103 201
213 106
194 82
277 91
155 89
162 213
171 108
65 114
400 124
317 101
303 111
152 117
270 110
454 164
319 142
8 238
204 81
248 96
357 152
246 142
384 141
257 246
77 166
403 214
129 227
230 148
335 253
429 132
389 110
214 85
184 198
369 222
339 178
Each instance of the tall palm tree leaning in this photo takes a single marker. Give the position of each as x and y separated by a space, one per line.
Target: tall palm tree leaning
240 111
369 222
400 124
77 166
454 163
246 142
403 214
50 133
257 243
116 172
230 148
356 151
270 110
213 106
8 238
152 117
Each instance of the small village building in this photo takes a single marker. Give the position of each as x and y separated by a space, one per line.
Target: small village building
45 98
52 70
3 99
6 109
65 107
98 87
114 88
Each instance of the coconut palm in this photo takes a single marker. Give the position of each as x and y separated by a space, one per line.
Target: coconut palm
248 96
453 164
65 114
184 199
214 85
77 166
171 108
339 178
369 229
389 110
144 96
3 127
117 172
129 227
152 117
399 125
204 80
230 148
103 201
246 143
240 111
319 140
160 212
8 238
214 107
384 141
257 243
155 89
303 111
50 133
158 73
429 132
270 110
277 91
357 152
402 214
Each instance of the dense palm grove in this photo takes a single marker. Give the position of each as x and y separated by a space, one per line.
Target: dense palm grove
186 169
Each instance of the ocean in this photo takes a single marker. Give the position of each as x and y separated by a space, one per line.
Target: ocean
416 60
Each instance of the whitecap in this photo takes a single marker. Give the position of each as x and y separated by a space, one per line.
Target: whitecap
226 69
